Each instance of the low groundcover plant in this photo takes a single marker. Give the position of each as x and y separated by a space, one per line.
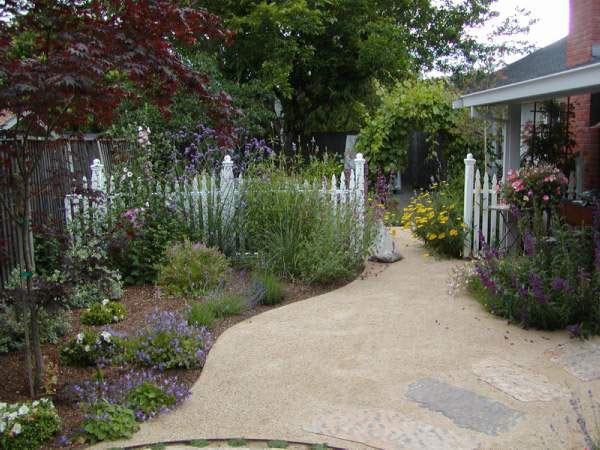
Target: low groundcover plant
87 348
103 313
27 425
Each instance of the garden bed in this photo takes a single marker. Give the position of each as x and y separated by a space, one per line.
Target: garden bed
139 301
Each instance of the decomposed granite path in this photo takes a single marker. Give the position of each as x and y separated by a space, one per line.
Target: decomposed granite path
389 362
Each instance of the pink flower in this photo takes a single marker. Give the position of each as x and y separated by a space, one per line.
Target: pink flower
546 198
517 185
550 178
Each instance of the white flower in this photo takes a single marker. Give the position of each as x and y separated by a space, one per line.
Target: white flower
129 174
79 338
105 302
106 336
124 169
86 348
23 410
16 428
115 318
2 426
35 403
147 204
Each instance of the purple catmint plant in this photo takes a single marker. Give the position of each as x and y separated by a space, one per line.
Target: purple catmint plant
168 341
117 391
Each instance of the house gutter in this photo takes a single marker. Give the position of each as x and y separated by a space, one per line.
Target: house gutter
566 83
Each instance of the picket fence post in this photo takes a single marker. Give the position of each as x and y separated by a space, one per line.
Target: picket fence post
468 204
359 174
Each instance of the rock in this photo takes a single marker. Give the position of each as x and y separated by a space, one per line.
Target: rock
384 248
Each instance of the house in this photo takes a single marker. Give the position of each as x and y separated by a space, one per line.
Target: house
567 69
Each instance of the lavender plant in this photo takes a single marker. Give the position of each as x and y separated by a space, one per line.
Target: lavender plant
169 342
552 284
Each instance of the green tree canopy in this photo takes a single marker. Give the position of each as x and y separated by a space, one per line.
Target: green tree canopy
322 57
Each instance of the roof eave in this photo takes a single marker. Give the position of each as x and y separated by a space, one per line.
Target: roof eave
566 83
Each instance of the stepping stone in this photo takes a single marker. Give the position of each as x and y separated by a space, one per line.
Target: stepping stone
517 382
581 359
465 408
387 429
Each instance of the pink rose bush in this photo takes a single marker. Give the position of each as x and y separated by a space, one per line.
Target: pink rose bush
542 186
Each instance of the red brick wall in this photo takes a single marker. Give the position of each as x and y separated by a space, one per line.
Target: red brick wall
584 31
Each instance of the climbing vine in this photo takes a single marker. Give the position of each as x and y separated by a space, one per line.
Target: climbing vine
419 105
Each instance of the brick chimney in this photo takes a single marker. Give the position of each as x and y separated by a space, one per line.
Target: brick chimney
584 34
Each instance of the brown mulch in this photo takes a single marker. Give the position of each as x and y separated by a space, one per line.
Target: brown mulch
139 302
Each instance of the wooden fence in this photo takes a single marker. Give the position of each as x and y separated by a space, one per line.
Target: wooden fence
58 173
484 216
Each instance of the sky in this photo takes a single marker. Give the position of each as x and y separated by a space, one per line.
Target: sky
553 18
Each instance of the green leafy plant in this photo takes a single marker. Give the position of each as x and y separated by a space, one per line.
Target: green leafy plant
149 398
192 269
12 335
103 313
238 442
200 314
278 444
200 443
87 348
27 425
108 422
435 218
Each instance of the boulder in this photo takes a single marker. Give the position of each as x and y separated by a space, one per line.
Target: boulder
384 248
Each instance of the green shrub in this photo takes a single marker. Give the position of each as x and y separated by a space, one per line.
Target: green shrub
12 334
103 313
108 422
225 304
239 442
27 425
192 269
554 284
200 314
87 348
278 444
269 288
435 218
149 399
169 342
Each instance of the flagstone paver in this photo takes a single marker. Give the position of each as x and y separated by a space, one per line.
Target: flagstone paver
465 408
519 383
342 368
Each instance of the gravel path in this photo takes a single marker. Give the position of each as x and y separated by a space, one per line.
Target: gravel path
390 362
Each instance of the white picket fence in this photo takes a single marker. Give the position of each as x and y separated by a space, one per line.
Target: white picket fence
484 216
200 199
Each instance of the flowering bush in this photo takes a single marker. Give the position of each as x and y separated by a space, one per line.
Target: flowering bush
145 392
103 313
540 186
87 349
435 218
553 285
27 425
192 269
169 342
